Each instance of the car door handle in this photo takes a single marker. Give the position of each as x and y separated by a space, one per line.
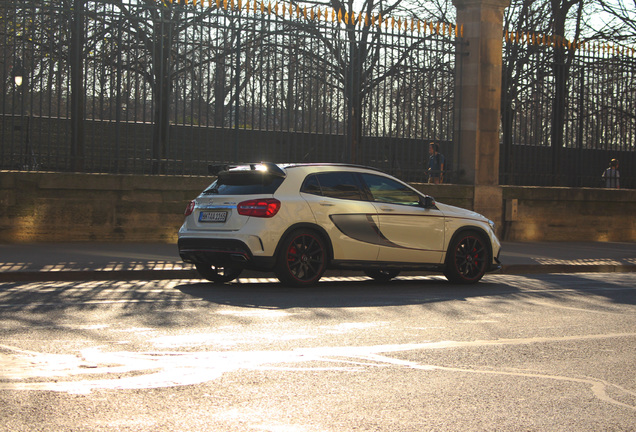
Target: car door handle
326 204
386 209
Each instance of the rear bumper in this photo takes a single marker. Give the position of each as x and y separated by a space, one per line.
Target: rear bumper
221 252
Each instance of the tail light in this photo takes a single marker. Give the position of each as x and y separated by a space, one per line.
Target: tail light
265 208
190 208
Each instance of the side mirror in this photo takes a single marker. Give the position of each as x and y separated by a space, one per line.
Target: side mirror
429 202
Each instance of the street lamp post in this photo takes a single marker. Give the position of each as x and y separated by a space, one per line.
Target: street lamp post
20 79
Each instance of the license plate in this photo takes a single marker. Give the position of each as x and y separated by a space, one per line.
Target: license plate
212 216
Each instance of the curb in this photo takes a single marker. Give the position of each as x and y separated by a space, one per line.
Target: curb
127 275
519 269
75 276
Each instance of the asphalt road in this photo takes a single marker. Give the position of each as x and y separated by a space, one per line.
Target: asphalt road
513 353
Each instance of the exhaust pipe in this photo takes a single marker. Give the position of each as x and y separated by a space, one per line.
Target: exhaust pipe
238 257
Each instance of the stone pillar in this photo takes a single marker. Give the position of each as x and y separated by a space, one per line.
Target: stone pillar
479 103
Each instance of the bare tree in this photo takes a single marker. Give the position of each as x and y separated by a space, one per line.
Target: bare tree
354 57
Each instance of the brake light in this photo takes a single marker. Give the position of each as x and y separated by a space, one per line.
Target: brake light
189 209
265 208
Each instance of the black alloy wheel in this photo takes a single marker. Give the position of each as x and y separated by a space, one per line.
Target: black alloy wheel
382 275
302 259
467 258
218 274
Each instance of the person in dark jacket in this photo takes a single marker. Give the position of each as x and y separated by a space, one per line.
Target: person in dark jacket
435 164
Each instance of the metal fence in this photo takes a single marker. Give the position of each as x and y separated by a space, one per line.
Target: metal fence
150 86
145 86
567 110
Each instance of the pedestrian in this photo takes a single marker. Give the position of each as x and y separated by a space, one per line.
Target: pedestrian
611 175
435 164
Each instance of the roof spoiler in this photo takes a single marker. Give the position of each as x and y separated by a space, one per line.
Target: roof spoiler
265 167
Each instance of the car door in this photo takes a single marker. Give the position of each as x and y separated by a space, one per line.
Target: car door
410 232
341 208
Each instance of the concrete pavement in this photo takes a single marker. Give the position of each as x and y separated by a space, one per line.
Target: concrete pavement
148 261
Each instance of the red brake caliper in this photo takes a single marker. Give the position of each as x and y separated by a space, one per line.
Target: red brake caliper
292 251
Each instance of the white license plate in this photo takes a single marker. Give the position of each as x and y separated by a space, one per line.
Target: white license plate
212 216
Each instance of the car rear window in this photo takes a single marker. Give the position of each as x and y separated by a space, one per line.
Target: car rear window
245 183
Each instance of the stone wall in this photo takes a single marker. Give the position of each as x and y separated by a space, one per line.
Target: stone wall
66 207
54 207
569 214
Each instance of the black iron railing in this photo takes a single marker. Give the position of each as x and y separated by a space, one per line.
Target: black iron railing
567 110
130 86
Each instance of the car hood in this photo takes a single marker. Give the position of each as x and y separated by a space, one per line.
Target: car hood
452 211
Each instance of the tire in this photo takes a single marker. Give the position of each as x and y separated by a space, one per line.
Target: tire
302 258
382 275
467 258
218 274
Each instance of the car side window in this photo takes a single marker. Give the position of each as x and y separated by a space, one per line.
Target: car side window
386 190
341 185
311 185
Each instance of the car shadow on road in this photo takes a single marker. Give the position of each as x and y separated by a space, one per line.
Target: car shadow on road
416 290
340 292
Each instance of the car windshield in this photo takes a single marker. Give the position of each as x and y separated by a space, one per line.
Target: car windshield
244 183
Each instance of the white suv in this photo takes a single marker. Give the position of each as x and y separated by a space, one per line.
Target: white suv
298 220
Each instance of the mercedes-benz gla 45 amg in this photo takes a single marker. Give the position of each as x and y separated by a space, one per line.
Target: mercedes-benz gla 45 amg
299 220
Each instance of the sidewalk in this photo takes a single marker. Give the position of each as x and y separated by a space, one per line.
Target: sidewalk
150 261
